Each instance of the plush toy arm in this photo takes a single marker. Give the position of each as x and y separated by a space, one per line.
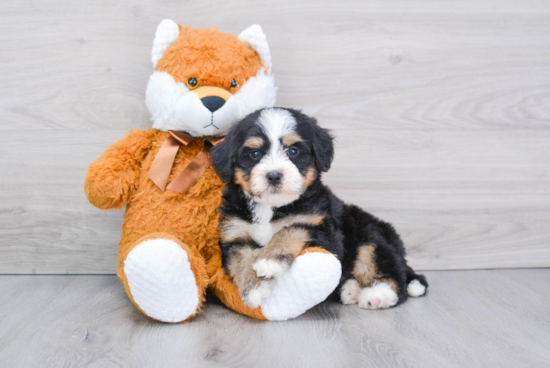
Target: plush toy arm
112 179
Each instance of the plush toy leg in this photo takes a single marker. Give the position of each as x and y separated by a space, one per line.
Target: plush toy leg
163 277
311 279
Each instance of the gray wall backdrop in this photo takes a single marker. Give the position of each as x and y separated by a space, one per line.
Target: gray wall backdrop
441 111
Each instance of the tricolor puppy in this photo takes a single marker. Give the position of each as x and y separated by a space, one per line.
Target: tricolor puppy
275 205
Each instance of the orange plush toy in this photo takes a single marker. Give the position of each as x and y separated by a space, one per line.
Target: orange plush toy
203 81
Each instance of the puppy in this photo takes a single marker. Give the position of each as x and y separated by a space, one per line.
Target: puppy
275 205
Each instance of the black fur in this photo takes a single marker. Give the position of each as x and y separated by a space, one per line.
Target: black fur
345 227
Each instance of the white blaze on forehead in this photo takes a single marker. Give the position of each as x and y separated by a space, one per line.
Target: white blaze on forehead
276 123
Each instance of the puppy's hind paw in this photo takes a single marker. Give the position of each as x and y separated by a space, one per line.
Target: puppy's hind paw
378 296
349 293
269 268
257 295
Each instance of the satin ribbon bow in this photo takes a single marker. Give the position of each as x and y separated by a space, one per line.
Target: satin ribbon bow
164 160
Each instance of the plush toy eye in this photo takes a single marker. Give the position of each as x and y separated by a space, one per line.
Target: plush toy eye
192 82
234 83
255 155
293 152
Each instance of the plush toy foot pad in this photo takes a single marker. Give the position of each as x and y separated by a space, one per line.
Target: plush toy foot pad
161 281
311 279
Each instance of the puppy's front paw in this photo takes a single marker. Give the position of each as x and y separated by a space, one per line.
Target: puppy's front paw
269 268
378 296
255 296
349 293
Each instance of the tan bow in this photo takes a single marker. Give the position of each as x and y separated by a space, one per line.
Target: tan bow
164 160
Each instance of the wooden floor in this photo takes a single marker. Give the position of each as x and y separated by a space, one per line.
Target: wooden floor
488 318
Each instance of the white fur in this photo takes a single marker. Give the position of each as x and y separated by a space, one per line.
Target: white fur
269 268
197 120
258 92
174 107
310 280
261 230
255 37
415 288
161 97
258 295
161 281
276 123
378 296
167 32
349 292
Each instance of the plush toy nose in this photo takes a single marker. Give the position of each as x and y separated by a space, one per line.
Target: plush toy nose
274 177
213 103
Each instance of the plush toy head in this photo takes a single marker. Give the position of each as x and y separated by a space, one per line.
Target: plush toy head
205 80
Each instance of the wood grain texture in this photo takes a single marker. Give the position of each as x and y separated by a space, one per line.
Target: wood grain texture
381 64
441 111
75 321
498 186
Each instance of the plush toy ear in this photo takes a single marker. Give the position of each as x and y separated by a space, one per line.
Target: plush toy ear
222 156
323 148
254 37
167 32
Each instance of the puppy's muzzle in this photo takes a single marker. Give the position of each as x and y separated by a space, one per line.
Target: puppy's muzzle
274 178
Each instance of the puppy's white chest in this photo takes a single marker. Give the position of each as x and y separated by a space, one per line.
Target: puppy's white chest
262 230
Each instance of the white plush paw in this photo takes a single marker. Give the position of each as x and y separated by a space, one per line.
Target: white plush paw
378 296
268 268
415 288
349 292
161 281
310 280
256 296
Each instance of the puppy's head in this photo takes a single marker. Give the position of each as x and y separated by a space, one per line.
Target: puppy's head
274 155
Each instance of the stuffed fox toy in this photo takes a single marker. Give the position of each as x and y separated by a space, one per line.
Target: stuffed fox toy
203 82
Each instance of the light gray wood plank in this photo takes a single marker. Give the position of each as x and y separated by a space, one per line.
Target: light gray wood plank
496 318
376 64
461 200
441 110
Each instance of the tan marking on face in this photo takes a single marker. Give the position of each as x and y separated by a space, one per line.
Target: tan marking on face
290 139
254 142
242 179
309 177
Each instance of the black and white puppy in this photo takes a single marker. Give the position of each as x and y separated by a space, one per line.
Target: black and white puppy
275 205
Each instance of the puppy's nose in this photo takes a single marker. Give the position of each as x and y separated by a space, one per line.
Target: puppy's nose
274 177
212 103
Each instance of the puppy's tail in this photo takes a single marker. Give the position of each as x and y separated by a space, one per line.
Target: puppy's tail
416 284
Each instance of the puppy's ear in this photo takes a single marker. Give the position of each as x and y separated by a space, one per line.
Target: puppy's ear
323 147
222 156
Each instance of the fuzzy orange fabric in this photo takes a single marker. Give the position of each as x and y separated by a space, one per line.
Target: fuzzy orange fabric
211 56
190 219
120 176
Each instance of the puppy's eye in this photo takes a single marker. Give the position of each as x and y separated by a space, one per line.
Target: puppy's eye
233 83
255 155
293 152
192 82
